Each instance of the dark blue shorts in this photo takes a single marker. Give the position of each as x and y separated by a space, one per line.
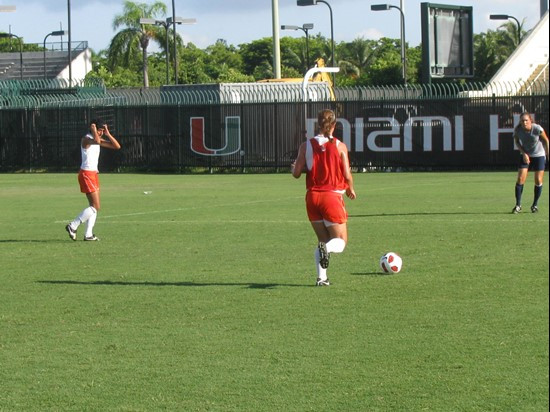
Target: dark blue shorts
537 163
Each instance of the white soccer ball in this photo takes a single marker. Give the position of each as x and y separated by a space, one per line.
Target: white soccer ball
391 262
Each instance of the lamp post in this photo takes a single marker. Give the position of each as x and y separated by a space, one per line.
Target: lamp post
174 22
53 33
506 17
69 45
166 24
305 28
381 7
9 35
314 3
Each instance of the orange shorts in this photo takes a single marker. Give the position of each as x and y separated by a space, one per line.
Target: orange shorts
327 206
88 180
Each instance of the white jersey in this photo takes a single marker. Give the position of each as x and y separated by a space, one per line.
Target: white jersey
530 141
90 156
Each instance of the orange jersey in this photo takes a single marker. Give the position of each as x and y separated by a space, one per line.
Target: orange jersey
324 165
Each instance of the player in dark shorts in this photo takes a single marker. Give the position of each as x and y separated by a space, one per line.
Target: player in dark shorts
532 142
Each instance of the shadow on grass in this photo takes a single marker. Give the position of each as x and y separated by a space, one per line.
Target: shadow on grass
33 241
369 274
430 214
187 284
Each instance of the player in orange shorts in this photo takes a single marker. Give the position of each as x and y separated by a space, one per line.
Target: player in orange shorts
90 146
328 176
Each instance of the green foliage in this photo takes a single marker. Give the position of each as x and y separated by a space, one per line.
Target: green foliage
200 297
257 57
362 62
120 77
134 39
386 68
11 45
491 49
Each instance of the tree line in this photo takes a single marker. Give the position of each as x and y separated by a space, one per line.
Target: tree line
128 63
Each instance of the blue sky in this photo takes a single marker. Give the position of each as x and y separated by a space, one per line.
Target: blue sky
241 21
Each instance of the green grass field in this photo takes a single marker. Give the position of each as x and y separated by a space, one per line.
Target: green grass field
200 296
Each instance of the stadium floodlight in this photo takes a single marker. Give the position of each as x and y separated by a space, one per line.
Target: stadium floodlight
506 17
314 3
144 20
380 7
166 24
7 9
53 33
305 28
180 20
383 7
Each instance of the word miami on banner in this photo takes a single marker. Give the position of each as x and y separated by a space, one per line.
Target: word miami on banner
232 137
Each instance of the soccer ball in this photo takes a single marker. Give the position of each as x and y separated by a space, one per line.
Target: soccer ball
391 262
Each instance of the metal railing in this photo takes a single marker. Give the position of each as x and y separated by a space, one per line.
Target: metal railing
91 92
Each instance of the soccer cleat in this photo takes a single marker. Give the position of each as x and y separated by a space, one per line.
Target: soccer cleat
534 209
91 238
322 282
516 209
324 256
72 233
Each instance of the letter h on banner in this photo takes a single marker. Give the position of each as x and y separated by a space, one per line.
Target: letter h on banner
495 131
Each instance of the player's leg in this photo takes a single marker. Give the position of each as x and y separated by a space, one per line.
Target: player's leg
320 253
520 181
94 202
338 233
335 218
539 178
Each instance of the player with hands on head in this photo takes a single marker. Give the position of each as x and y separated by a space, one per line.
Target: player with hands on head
532 142
88 179
325 161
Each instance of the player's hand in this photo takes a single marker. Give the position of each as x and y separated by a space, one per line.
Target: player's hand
350 193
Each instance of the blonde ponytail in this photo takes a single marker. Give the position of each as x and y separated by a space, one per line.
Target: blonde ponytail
326 119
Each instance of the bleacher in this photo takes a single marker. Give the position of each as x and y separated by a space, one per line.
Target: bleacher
527 68
33 65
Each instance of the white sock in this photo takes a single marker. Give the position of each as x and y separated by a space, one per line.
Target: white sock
321 272
82 217
336 245
91 223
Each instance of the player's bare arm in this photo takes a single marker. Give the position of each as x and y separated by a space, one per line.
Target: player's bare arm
299 165
112 142
545 142
346 170
526 158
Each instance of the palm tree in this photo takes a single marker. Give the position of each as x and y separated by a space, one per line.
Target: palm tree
357 57
125 45
512 34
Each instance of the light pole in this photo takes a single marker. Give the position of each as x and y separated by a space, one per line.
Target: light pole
174 22
305 28
380 7
506 17
53 33
8 35
276 39
166 24
69 48
314 3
